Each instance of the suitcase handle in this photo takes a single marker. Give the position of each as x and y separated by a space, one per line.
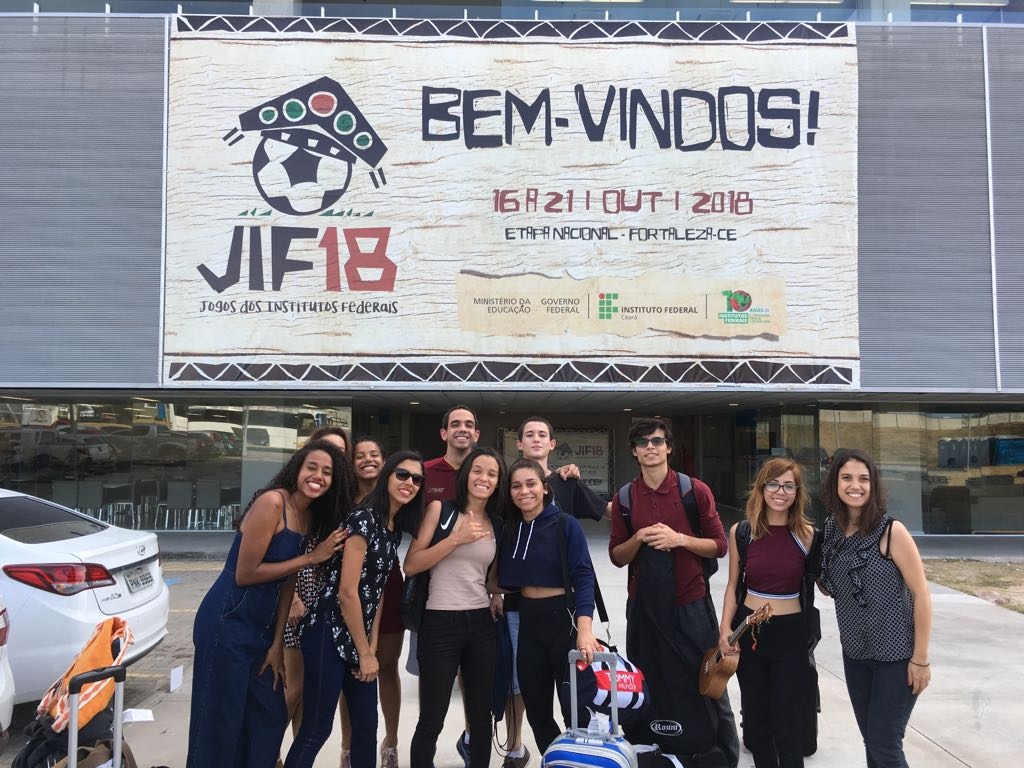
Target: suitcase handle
612 660
75 685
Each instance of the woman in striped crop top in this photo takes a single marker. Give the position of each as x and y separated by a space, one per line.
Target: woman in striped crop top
773 666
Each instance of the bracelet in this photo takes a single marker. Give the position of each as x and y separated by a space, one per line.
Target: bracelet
919 665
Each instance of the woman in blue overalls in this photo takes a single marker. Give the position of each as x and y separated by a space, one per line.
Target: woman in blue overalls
238 713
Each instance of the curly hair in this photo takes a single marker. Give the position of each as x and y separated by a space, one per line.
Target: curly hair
796 515
329 510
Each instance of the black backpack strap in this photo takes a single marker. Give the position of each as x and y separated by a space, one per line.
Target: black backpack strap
563 556
563 559
448 512
689 500
708 565
742 540
625 506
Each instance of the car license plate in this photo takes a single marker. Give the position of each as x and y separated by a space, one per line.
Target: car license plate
138 578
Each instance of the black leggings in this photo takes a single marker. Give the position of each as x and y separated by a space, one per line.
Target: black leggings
449 641
774 688
546 635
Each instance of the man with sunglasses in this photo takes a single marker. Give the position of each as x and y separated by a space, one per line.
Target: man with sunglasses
669 622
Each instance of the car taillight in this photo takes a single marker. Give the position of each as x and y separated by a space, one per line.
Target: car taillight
62 578
5 624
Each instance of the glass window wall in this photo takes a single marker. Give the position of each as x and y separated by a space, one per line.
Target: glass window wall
150 463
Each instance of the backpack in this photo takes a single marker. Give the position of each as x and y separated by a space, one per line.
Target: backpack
709 565
416 588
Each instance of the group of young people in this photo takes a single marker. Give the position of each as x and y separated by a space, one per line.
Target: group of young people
305 616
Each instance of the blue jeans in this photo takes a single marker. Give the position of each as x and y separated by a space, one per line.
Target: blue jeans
882 702
512 619
326 675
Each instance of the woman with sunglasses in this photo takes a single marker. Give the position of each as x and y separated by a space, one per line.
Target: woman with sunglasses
339 633
773 664
367 458
871 567
457 631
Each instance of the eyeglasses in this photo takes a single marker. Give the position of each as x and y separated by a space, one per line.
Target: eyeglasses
773 486
643 442
405 474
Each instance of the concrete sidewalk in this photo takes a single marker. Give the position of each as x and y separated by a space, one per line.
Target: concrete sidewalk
969 716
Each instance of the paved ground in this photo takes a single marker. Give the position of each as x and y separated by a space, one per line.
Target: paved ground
969 716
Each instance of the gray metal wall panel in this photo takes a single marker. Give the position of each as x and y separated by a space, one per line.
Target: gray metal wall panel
81 148
925 268
82 156
1006 84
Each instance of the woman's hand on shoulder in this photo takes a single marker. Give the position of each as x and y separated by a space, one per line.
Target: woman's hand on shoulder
468 528
334 542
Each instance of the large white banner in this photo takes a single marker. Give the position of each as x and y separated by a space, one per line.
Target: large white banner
354 202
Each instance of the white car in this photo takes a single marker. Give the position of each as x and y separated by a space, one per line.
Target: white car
6 678
62 573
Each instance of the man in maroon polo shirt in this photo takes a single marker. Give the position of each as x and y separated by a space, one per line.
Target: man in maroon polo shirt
670 619
460 432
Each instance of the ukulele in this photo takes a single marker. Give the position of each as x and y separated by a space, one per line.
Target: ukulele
716 668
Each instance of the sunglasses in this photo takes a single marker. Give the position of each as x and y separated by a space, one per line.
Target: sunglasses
643 442
405 474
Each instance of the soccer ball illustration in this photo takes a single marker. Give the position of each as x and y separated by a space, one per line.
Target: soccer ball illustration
310 139
296 181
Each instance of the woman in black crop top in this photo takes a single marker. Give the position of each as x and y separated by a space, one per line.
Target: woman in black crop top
773 668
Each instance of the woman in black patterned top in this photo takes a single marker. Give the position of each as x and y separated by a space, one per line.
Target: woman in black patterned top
339 633
871 567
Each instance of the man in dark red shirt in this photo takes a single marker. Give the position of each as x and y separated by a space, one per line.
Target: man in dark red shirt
670 619
460 432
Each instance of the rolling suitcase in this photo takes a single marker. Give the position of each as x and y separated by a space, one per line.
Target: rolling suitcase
582 747
103 753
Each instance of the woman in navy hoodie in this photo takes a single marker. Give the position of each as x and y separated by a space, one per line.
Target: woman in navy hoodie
551 622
